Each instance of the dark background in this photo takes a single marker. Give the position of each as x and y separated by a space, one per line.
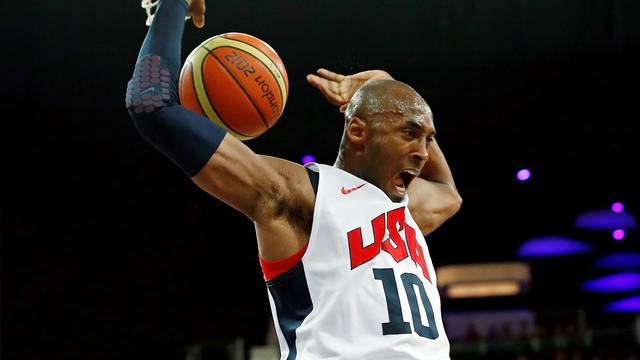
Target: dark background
109 251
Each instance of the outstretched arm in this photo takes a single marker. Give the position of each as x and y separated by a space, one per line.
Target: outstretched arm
260 187
434 197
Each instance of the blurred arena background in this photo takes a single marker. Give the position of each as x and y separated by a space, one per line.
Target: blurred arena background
110 252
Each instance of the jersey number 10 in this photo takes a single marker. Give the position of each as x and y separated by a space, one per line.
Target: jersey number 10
396 324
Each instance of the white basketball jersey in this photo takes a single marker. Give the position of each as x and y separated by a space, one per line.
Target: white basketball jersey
365 288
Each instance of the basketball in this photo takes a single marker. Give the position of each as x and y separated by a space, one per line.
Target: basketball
236 80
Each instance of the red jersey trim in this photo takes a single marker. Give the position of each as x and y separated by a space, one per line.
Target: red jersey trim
272 269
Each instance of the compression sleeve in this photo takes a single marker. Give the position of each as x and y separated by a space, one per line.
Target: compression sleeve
187 138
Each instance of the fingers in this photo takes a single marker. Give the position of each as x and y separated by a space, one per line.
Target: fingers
314 80
325 88
198 21
321 84
196 10
330 75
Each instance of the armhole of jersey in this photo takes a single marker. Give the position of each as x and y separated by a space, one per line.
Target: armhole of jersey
314 177
273 269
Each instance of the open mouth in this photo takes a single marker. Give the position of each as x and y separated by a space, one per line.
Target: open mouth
403 180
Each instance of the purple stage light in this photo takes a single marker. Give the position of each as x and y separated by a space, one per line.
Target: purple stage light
617 207
629 304
605 220
621 282
523 174
547 246
308 158
618 234
619 260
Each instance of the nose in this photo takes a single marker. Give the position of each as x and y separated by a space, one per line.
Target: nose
420 152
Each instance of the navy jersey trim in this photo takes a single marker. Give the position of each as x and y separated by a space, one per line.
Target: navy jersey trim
314 177
290 293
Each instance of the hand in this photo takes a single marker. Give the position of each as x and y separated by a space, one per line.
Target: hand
338 88
196 10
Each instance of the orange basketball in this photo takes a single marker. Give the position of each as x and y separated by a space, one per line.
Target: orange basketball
236 80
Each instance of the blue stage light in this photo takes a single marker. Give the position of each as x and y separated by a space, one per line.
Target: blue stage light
615 283
546 246
605 220
619 260
630 304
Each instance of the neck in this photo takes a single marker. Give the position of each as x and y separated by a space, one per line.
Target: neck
349 165
339 162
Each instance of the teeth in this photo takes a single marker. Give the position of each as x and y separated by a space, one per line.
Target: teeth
400 181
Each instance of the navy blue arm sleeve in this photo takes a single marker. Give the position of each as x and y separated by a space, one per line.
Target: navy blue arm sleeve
187 138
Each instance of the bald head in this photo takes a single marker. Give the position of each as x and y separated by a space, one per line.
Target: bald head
379 105
378 97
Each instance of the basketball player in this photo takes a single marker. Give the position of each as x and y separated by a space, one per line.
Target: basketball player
348 272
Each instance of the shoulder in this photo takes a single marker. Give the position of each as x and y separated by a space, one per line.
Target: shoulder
295 175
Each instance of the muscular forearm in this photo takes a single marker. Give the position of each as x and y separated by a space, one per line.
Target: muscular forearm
436 169
435 200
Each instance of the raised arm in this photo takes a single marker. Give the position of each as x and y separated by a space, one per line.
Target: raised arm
434 197
264 189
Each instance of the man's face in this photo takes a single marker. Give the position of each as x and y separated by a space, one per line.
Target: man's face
396 151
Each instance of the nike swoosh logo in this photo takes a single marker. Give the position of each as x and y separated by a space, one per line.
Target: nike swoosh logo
146 91
345 191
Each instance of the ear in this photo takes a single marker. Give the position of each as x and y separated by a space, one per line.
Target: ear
357 131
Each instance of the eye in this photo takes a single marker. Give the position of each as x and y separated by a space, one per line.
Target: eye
409 132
